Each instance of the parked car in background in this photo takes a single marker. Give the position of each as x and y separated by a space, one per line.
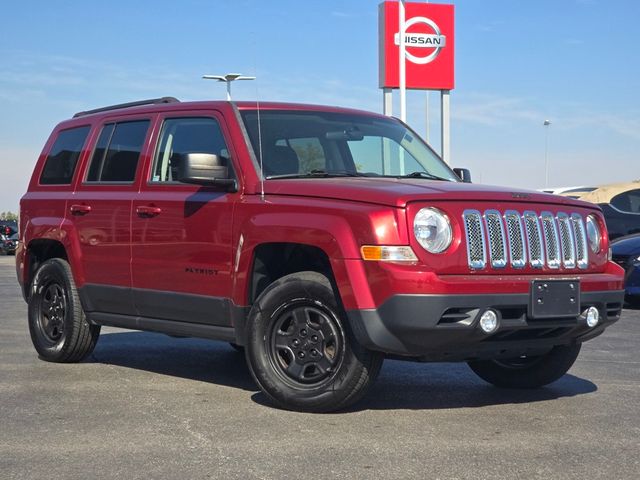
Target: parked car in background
620 203
7 229
571 192
626 253
9 244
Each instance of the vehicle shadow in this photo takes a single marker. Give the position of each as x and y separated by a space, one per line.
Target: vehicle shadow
436 386
432 386
191 358
401 385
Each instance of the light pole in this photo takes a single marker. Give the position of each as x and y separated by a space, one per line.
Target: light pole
546 152
228 78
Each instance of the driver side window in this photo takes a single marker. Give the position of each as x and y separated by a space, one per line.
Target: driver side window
186 135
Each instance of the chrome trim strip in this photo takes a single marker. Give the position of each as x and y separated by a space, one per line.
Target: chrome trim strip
580 234
520 261
568 244
497 251
551 240
531 216
476 217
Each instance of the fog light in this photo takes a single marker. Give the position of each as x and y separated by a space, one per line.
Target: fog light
489 321
592 316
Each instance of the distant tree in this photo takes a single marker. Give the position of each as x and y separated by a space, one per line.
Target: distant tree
9 216
311 156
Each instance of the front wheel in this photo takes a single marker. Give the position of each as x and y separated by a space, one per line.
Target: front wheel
59 329
527 371
300 350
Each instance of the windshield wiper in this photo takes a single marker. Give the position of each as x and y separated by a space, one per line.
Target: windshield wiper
318 173
423 174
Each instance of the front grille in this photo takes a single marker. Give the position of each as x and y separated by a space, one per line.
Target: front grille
529 238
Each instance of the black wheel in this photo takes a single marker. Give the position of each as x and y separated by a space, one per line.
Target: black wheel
528 371
300 350
58 327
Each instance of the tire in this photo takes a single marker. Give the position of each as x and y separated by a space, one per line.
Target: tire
236 347
300 350
528 372
58 327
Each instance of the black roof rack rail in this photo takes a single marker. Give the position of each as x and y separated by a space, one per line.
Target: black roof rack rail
151 101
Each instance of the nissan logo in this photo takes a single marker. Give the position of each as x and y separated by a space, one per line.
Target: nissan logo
437 41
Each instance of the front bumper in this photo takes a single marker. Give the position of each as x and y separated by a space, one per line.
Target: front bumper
442 327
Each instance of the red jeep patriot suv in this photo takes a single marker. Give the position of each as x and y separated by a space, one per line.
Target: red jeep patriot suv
320 239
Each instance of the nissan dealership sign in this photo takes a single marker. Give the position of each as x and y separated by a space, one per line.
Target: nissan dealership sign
428 42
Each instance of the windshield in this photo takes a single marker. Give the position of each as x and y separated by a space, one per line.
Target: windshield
326 144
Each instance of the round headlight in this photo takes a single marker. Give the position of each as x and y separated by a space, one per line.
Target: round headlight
432 230
593 233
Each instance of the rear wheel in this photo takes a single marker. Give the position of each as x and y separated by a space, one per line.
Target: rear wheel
300 350
59 329
528 371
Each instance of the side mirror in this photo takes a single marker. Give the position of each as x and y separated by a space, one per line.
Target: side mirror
463 173
205 169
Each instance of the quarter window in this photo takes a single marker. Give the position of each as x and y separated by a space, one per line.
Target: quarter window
61 162
117 152
186 135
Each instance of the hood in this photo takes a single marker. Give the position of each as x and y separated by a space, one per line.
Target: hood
398 192
624 246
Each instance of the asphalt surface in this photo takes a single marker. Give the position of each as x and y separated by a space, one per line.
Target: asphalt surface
152 407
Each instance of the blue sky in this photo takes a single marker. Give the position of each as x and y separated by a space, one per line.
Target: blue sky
576 62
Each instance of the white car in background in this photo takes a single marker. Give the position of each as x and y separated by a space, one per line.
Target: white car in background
572 192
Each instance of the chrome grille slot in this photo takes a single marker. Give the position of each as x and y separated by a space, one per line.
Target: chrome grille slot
534 239
474 231
582 254
515 239
567 243
552 244
495 233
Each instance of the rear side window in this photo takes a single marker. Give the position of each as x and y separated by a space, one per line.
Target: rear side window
117 152
61 162
627 201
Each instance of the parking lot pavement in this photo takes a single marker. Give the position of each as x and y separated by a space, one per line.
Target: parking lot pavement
152 407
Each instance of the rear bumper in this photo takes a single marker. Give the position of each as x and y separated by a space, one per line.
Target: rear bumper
444 327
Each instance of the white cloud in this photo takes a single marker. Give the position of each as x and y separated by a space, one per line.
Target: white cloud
493 110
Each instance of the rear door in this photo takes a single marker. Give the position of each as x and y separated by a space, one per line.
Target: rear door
101 214
182 234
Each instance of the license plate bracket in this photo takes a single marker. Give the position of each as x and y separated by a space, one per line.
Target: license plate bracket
554 299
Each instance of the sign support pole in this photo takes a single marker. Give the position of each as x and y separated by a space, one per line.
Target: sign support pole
403 62
445 124
427 116
387 101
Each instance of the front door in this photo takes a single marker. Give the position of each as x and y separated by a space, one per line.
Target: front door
182 234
